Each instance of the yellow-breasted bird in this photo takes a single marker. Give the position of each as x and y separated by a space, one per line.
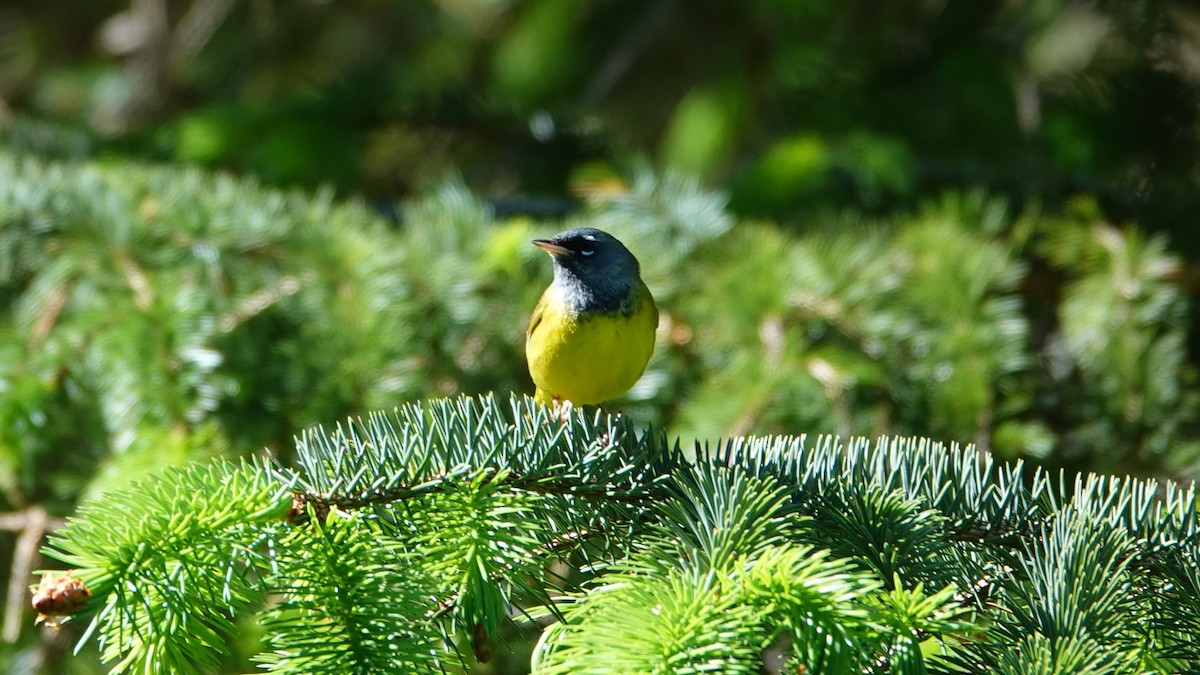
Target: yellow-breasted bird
592 332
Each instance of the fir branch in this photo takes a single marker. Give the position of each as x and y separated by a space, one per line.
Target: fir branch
354 602
457 505
452 482
169 562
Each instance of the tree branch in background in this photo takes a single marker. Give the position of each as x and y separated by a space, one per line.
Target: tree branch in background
32 524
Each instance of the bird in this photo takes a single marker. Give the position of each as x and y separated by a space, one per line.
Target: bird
592 333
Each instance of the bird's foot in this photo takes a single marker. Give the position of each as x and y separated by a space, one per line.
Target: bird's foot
563 410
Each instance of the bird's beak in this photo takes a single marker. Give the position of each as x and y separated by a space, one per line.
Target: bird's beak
550 247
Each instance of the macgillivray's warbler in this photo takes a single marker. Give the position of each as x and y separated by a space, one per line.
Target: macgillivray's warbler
592 332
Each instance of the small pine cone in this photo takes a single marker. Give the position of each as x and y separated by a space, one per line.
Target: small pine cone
59 594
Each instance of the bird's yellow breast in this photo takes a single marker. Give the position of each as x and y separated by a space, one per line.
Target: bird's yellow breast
588 357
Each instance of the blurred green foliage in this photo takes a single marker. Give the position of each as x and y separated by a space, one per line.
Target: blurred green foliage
156 308
798 105
971 221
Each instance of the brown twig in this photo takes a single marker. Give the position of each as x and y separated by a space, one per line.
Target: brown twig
33 523
322 504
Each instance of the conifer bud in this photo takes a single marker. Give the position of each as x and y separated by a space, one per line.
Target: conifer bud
59 594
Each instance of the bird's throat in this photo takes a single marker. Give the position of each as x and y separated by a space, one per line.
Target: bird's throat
586 295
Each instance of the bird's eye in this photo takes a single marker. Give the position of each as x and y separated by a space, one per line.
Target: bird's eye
587 248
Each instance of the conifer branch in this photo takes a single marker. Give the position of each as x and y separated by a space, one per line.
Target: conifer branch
452 508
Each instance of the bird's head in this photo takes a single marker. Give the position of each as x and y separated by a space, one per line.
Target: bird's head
591 255
592 262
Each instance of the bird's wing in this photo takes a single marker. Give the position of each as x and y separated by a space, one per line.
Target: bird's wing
653 305
536 318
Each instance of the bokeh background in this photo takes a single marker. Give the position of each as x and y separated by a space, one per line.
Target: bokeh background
224 221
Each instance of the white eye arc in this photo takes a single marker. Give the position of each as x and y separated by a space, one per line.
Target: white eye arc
586 252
